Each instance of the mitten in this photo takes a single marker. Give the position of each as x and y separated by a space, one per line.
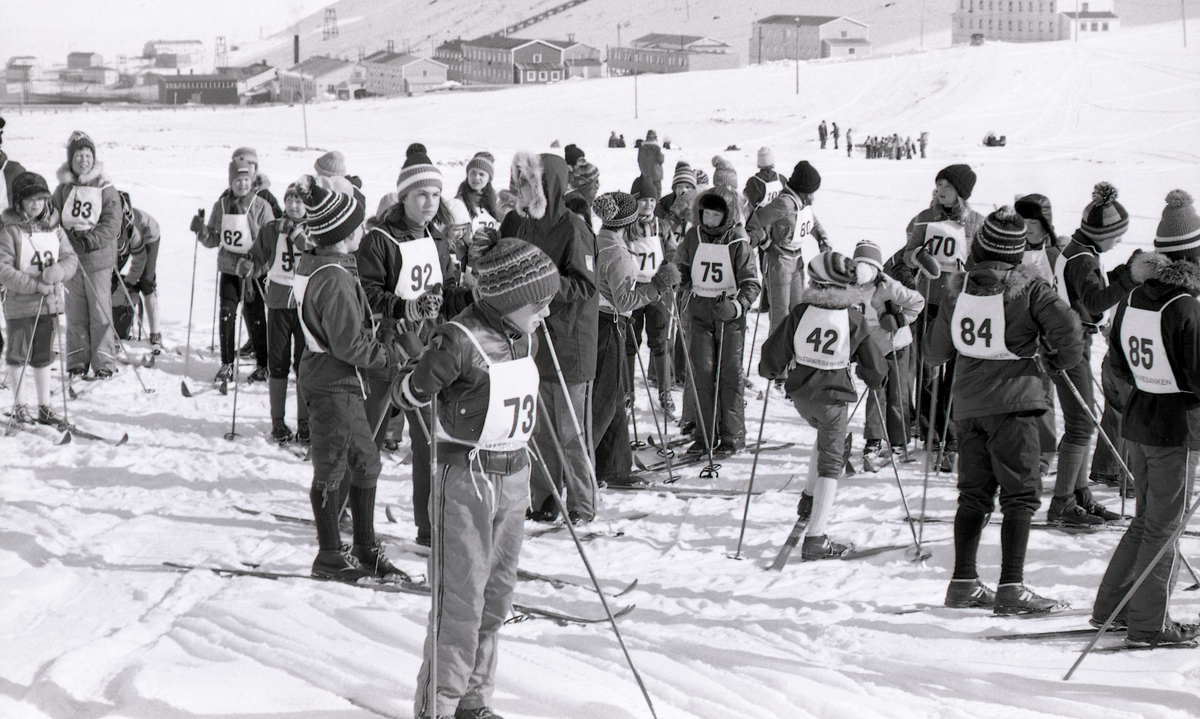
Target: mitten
403 396
408 346
727 310
197 226
429 304
248 291
667 278
888 323
45 289
927 263
53 274
245 267
400 309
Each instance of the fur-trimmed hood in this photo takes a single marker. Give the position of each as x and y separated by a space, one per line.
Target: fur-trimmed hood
540 182
722 196
94 177
1157 267
831 298
992 278
46 223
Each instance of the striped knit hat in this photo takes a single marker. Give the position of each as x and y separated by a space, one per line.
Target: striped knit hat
724 175
79 139
868 252
332 216
684 174
1178 234
616 209
483 161
515 274
418 173
331 164
832 269
1002 238
1104 218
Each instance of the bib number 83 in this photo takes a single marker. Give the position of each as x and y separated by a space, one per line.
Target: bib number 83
521 404
81 209
1141 352
968 332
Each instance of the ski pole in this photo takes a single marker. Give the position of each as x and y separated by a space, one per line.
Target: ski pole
583 440
562 508
691 377
232 434
928 459
626 376
1128 595
710 472
116 338
758 316
762 423
902 393
946 419
435 546
665 452
1103 435
21 376
62 374
1126 478
900 485
187 355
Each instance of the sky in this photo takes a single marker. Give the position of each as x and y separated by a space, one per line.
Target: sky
51 29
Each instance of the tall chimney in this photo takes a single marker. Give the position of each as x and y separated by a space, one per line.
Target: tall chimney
295 49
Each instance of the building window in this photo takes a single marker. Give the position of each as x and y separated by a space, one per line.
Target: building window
1094 28
990 25
1104 27
531 76
554 74
1051 5
542 75
844 33
1041 26
537 57
851 52
1010 6
1010 25
1020 26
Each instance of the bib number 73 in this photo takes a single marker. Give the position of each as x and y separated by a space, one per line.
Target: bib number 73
1141 352
521 404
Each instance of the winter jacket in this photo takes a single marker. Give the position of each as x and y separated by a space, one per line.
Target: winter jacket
1035 319
677 211
1087 290
1163 420
452 368
655 225
616 278
258 213
22 297
97 247
336 314
773 227
650 161
823 385
263 253
381 267
745 270
756 187
543 220
888 296
143 233
9 170
961 213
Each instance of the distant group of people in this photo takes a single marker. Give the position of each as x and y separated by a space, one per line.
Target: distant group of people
894 147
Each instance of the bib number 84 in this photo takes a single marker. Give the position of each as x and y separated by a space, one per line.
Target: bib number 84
1141 352
521 404
968 332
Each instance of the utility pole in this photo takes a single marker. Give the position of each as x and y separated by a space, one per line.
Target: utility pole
635 94
922 24
1183 19
1077 21
797 54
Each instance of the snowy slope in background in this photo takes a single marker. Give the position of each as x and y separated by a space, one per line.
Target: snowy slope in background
93 626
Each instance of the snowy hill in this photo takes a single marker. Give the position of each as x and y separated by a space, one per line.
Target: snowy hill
94 625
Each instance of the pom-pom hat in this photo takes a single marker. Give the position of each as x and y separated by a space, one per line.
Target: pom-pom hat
684 175
418 172
868 252
615 209
1104 218
331 164
766 158
79 139
1178 233
483 161
332 215
1002 237
832 269
515 274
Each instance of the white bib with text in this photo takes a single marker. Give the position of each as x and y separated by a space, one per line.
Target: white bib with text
283 268
38 251
235 234
512 401
771 190
712 270
647 256
947 242
804 225
81 208
1142 343
420 268
977 327
822 338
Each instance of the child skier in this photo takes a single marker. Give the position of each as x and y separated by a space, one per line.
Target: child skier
481 368
339 345
237 217
35 258
477 193
1083 283
649 242
721 281
141 277
812 350
1155 345
276 251
995 318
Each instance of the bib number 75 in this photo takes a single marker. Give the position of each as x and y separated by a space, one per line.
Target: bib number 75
521 404
713 272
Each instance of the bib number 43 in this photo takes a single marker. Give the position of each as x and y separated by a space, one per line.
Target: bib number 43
521 405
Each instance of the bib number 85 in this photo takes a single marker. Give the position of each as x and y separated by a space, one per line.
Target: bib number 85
814 338
968 332
1141 352
521 404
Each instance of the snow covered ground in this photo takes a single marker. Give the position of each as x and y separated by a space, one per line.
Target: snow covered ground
93 625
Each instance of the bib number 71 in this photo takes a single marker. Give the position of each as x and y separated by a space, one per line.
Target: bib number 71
521 404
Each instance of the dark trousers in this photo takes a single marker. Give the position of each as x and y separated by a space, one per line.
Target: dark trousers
253 310
341 440
655 320
898 400
1116 394
927 405
731 410
610 425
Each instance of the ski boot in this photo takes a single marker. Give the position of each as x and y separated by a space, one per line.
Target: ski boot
1019 599
376 562
156 345
820 547
258 375
968 593
303 433
280 432
1173 634
46 416
1084 498
874 456
224 374
338 565
1066 512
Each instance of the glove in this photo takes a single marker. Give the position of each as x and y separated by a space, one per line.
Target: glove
245 267
927 264
402 394
45 289
425 307
823 246
727 310
667 278
249 293
53 274
408 347
890 323
197 227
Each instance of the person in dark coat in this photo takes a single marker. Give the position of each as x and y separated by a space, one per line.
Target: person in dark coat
650 161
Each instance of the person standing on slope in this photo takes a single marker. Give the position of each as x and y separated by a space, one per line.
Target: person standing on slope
650 161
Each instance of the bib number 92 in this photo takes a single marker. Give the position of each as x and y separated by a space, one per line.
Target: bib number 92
521 404
968 333
1141 352
421 276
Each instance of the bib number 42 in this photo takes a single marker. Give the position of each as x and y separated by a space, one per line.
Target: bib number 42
818 335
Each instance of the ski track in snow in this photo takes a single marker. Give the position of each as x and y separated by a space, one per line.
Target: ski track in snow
93 624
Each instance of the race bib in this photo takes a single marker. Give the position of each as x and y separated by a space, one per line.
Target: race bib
822 338
38 251
977 327
512 401
771 191
647 256
483 219
420 268
81 209
947 242
804 225
712 270
235 234
1142 343
283 268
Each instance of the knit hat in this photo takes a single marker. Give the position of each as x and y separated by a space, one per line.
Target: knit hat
483 161
805 179
701 178
651 136
418 172
292 191
683 174
723 173
572 154
960 177
643 188
616 209
240 167
29 185
766 158
79 139
1104 218
459 214
832 269
868 252
415 148
1178 233
515 274
246 153
1002 237
331 164
332 215
1036 207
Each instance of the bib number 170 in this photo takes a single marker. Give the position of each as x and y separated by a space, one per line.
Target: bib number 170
521 404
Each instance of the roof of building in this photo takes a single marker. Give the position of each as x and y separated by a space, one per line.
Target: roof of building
847 41
538 66
194 78
246 71
452 45
319 65
584 61
1091 15
497 42
176 42
805 20
662 38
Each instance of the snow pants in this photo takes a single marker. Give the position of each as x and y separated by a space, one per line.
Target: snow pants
831 421
896 399
610 424
1116 394
731 409
90 338
928 406
1078 426
481 517
253 310
785 282
341 439
1163 479
655 320
285 345
576 475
